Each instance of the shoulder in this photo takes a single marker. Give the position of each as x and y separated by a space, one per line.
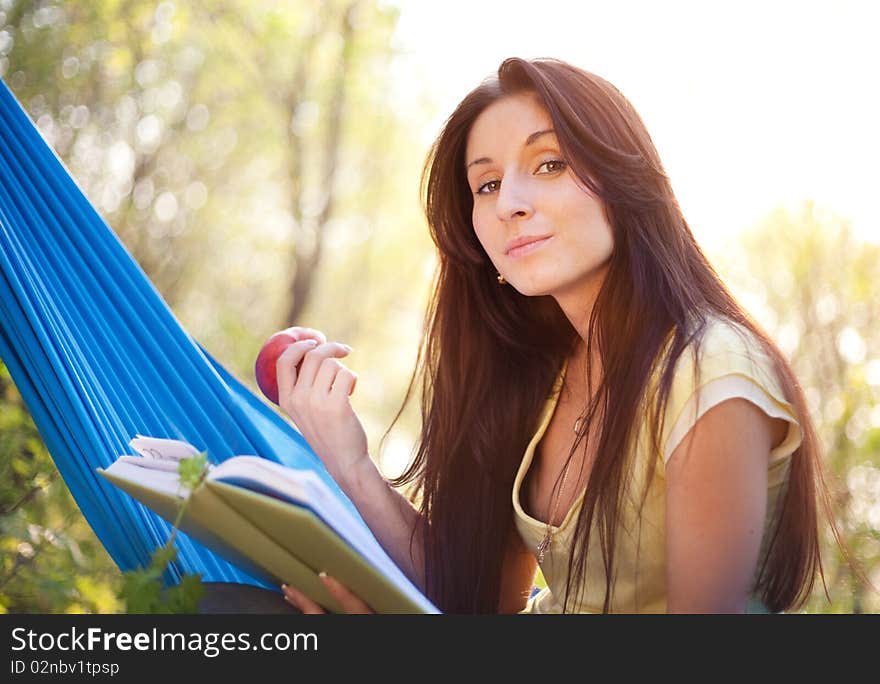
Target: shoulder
727 362
722 347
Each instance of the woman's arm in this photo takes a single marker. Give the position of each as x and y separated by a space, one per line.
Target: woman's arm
390 516
314 389
716 500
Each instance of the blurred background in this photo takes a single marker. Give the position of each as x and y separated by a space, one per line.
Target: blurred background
261 161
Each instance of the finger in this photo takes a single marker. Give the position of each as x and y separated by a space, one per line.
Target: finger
327 372
313 359
343 384
349 602
299 334
285 366
301 601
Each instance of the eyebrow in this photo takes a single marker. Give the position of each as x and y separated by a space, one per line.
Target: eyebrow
532 138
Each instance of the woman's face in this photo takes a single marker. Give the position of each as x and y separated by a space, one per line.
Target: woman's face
523 188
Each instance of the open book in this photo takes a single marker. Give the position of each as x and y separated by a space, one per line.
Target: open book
279 524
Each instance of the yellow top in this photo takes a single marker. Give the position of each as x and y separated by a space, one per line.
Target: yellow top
731 365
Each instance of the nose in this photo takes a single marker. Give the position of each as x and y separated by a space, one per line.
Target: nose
513 200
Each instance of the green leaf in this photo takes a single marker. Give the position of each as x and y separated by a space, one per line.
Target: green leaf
161 558
142 589
192 470
185 597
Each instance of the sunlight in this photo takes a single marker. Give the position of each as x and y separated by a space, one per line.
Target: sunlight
747 114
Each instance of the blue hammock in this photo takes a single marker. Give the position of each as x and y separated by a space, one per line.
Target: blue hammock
98 356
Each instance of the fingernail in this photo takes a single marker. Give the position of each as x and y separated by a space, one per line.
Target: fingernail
323 575
311 343
283 587
346 347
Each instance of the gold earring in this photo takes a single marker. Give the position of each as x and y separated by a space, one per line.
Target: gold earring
501 279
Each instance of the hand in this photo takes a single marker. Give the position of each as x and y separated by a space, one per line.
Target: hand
349 602
314 389
300 334
265 365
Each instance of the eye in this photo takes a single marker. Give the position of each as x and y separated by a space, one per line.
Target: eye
560 165
484 185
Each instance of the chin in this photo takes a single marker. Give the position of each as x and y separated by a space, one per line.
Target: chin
531 289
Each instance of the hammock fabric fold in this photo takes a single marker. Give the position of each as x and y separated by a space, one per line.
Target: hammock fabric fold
98 356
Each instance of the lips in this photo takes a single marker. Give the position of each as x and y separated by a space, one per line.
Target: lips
520 245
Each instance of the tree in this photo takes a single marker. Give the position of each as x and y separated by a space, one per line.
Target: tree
812 285
223 142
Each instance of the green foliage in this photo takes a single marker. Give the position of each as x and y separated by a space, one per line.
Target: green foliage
811 283
143 590
227 143
50 560
204 135
193 470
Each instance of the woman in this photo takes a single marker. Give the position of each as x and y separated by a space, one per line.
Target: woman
594 399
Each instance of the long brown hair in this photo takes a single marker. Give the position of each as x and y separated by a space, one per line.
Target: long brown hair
490 355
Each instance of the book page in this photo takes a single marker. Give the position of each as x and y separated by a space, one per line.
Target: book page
150 463
162 449
306 488
155 476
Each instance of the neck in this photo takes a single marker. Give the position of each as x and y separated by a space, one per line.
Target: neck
578 299
577 303
575 383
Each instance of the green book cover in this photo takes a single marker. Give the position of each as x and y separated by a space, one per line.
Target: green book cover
270 538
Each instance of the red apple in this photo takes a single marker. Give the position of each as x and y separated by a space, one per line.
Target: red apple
264 368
